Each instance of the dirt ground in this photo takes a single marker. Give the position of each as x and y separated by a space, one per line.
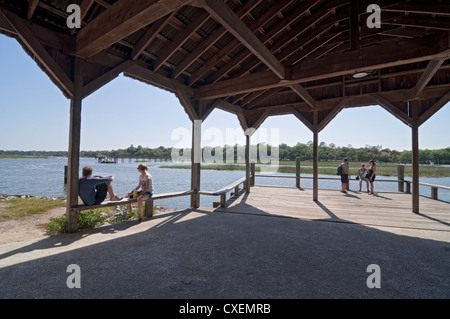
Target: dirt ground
31 227
27 228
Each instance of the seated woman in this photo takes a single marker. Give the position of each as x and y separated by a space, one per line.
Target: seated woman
362 173
146 186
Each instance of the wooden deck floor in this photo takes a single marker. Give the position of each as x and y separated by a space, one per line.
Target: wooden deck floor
386 210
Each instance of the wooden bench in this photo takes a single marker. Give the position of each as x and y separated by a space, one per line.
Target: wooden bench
128 201
223 191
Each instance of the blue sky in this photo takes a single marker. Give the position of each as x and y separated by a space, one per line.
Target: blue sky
35 116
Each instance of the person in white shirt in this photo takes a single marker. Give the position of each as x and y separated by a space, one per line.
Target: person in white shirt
146 186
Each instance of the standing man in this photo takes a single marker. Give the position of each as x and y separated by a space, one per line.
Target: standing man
345 174
93 189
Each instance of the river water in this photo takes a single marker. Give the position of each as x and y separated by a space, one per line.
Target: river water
45 177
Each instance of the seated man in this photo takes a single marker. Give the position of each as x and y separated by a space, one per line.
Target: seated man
93 189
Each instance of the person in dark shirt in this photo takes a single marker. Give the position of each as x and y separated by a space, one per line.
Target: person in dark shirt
93 189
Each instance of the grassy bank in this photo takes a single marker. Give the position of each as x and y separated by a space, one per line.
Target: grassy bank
22 207
329 168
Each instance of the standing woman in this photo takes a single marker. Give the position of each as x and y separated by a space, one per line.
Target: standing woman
371 175
146 186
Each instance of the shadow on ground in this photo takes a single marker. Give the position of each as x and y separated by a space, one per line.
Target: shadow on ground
204 254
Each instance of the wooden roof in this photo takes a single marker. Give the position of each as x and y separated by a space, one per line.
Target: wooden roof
255 58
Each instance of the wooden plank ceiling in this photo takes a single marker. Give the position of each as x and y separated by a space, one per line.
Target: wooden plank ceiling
254 58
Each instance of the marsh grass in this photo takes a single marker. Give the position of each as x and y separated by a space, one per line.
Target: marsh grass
329 168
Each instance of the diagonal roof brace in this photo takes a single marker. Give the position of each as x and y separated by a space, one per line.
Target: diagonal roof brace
225 16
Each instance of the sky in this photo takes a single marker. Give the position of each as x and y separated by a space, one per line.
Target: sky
34 115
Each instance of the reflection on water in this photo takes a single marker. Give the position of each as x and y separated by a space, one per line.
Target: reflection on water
45 177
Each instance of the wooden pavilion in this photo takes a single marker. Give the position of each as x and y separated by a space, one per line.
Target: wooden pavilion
254 58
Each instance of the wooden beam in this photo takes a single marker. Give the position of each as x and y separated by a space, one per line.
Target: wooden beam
303 119
143 74
414 107
354 25
300 91
247 163
207 43
427 75
119 21
187 101
332 114
84 7
315 156
74 147
391 108
105 78
225 16
52 68
181 38
32 5
390 54
434 108
149 35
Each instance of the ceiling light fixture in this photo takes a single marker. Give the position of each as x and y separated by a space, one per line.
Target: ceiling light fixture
360 75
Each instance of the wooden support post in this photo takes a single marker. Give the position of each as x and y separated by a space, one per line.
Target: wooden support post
196 156
315 156
434 192
401 177
148 208
252 173
74 148
297 172
223 200
247 164
414 109
408 187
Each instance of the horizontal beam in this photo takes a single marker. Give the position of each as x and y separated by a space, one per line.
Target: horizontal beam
119 21
390 54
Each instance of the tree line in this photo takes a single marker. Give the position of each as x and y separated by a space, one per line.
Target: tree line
327 152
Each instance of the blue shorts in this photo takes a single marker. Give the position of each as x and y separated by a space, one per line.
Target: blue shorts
344 178
148 193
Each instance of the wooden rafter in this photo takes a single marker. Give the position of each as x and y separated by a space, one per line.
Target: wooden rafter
170 49
224 15
121 20
430 71
207 43
32 5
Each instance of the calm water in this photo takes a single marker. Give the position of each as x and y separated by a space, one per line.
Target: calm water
45 177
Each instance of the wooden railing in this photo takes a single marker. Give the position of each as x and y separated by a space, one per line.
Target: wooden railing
404 186
223 191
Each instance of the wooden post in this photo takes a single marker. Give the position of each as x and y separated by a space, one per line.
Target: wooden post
434 192
247 163
196 157
65 174
414 108
148 208
223 200
315 156
297 172
74 148
401 177
252 173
